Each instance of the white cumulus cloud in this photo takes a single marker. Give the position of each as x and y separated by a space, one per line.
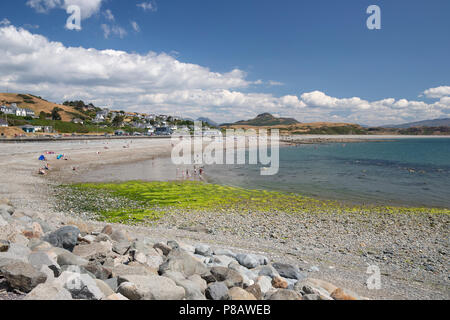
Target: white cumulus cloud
160 83
438 92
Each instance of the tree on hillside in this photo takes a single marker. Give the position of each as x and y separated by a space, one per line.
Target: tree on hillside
55 113
117 121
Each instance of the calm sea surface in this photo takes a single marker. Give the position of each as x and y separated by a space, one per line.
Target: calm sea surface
410 172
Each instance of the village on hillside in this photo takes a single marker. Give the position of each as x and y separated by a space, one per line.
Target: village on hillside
36 116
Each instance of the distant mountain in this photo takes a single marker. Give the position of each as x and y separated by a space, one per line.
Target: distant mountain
426 123
265 119
208 121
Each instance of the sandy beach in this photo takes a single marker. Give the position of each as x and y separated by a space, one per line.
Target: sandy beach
337 248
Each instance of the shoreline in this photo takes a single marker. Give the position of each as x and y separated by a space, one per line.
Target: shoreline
331 244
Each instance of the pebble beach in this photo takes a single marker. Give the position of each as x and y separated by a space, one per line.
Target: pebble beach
201 254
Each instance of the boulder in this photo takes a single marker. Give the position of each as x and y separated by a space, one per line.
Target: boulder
312 297
192 289
343 294
113 283
217 291
224 252
203 250
93 250
50 292
80 285
251 260
231 278
65 237
265 283
140 270
35 232
107 230
41 258
98 270
163 247
179 260
199 281
289 271
104 288
237 293
285 294
116 296
69 259
38 245
255 290
22 276
248 276
268 270
119 236
121 247
222 261
155 287
279 283
130 291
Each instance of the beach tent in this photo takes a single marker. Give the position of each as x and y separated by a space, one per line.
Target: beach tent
42 158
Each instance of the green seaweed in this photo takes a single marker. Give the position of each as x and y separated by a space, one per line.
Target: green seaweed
143 202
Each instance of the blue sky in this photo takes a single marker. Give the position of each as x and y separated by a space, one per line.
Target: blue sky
318 52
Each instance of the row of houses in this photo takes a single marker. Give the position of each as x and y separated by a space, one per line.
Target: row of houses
15 110
33 129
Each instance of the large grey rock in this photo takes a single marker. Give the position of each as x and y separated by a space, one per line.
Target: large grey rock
123 269
193 289
121 247
155 287
39 259
251 260
112 283
179 260
289 271
163 247
248 276
237 293
104 288
203 250
50 292
268 270
80 285
38 245
98 270
199 281
224 252
119 236
222 261
130 291
69 259
65 237
284 294
231 278
265 283
217 291
93 250
22 276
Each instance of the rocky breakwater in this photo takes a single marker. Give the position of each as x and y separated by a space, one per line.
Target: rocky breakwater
40 260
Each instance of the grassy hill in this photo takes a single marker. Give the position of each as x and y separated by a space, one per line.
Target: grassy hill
292 126
37 104
264 119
